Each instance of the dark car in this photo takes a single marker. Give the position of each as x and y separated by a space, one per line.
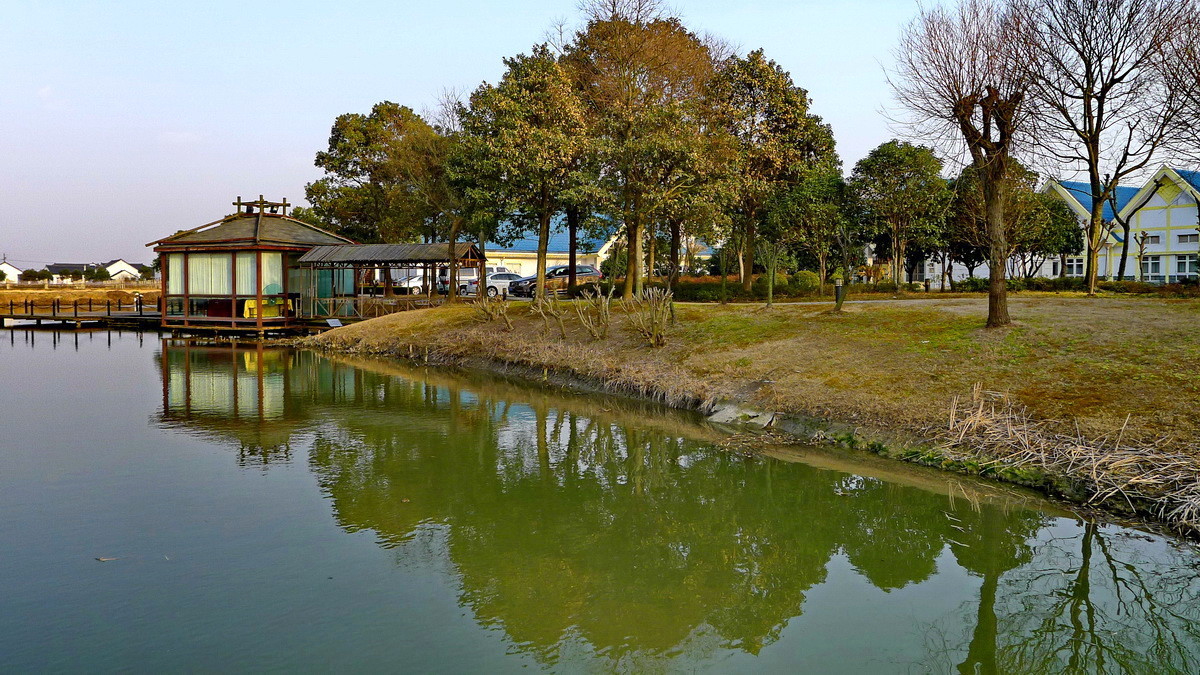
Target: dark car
556 280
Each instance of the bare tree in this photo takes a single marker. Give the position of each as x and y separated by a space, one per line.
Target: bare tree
1100 82
959 74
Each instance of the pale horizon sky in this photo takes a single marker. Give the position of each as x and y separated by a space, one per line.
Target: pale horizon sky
122 122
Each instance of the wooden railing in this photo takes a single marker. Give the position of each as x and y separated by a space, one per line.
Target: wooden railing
363 307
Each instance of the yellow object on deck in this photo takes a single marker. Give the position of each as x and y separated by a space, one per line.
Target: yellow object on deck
270 308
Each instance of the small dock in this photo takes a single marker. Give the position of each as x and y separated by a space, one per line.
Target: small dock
81 313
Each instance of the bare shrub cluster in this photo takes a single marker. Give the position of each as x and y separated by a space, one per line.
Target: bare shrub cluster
551 307
595 311
650 313
489 309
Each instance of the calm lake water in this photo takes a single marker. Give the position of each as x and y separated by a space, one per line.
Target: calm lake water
270 509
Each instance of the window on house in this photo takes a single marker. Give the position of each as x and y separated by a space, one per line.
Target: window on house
1151 265
1153 239
1186 264
1189 238
1074 267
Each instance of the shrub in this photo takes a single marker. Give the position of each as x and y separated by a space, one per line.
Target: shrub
649 314
595 312
974 285
1140 287
806 281
760 284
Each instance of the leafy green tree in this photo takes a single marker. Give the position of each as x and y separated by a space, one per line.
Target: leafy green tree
775 135
525 134
96 273
310 216
899 192
812 211
638 71
364 194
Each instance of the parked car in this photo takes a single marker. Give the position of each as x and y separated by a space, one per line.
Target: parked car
497 284
465 276
556 280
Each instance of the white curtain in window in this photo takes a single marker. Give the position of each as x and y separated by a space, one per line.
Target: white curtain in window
246 273
175 274
272 272
210 273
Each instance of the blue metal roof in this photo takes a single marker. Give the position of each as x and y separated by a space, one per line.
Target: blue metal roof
1192 177
1083 192
560 241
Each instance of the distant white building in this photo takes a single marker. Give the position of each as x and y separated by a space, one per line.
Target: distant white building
11 272
120 270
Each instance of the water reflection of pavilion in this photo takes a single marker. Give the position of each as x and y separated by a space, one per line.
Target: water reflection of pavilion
246 396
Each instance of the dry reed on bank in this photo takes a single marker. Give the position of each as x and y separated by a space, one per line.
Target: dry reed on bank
992 429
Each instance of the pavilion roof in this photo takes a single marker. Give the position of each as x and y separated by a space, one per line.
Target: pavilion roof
388 254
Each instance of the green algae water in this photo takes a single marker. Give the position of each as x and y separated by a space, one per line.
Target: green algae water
270 509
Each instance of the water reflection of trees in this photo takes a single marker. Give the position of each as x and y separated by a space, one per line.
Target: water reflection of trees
607 528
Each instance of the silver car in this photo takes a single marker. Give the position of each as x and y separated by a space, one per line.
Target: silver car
496 284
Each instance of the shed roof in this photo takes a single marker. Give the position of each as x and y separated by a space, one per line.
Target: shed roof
388 254
242 229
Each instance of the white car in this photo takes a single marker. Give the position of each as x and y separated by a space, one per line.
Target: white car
466 276
496 284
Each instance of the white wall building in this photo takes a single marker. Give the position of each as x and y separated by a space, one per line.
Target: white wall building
120 270
12 273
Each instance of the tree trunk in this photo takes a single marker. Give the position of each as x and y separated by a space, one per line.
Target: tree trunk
821 272
572 243
897 258
543 243
995 194
676 243
387 282
452 277
1093 248
748 254
1124 249
651 258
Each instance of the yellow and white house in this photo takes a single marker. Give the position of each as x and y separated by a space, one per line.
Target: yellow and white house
1163 219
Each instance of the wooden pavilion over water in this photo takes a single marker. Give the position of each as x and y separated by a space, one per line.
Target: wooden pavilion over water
262 270
240 272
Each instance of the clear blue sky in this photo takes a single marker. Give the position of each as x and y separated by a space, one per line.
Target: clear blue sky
122 122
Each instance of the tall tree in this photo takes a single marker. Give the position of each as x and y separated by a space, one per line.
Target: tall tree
899 192
1036 226
635 66
527 132
1102 90
361 194
960 73
814 210
775 134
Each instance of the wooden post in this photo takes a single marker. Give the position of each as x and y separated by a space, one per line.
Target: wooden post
258 276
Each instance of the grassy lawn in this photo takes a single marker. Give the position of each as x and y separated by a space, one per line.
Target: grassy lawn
1102 365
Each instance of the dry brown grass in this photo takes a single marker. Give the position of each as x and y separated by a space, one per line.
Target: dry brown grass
1089 365
43 298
